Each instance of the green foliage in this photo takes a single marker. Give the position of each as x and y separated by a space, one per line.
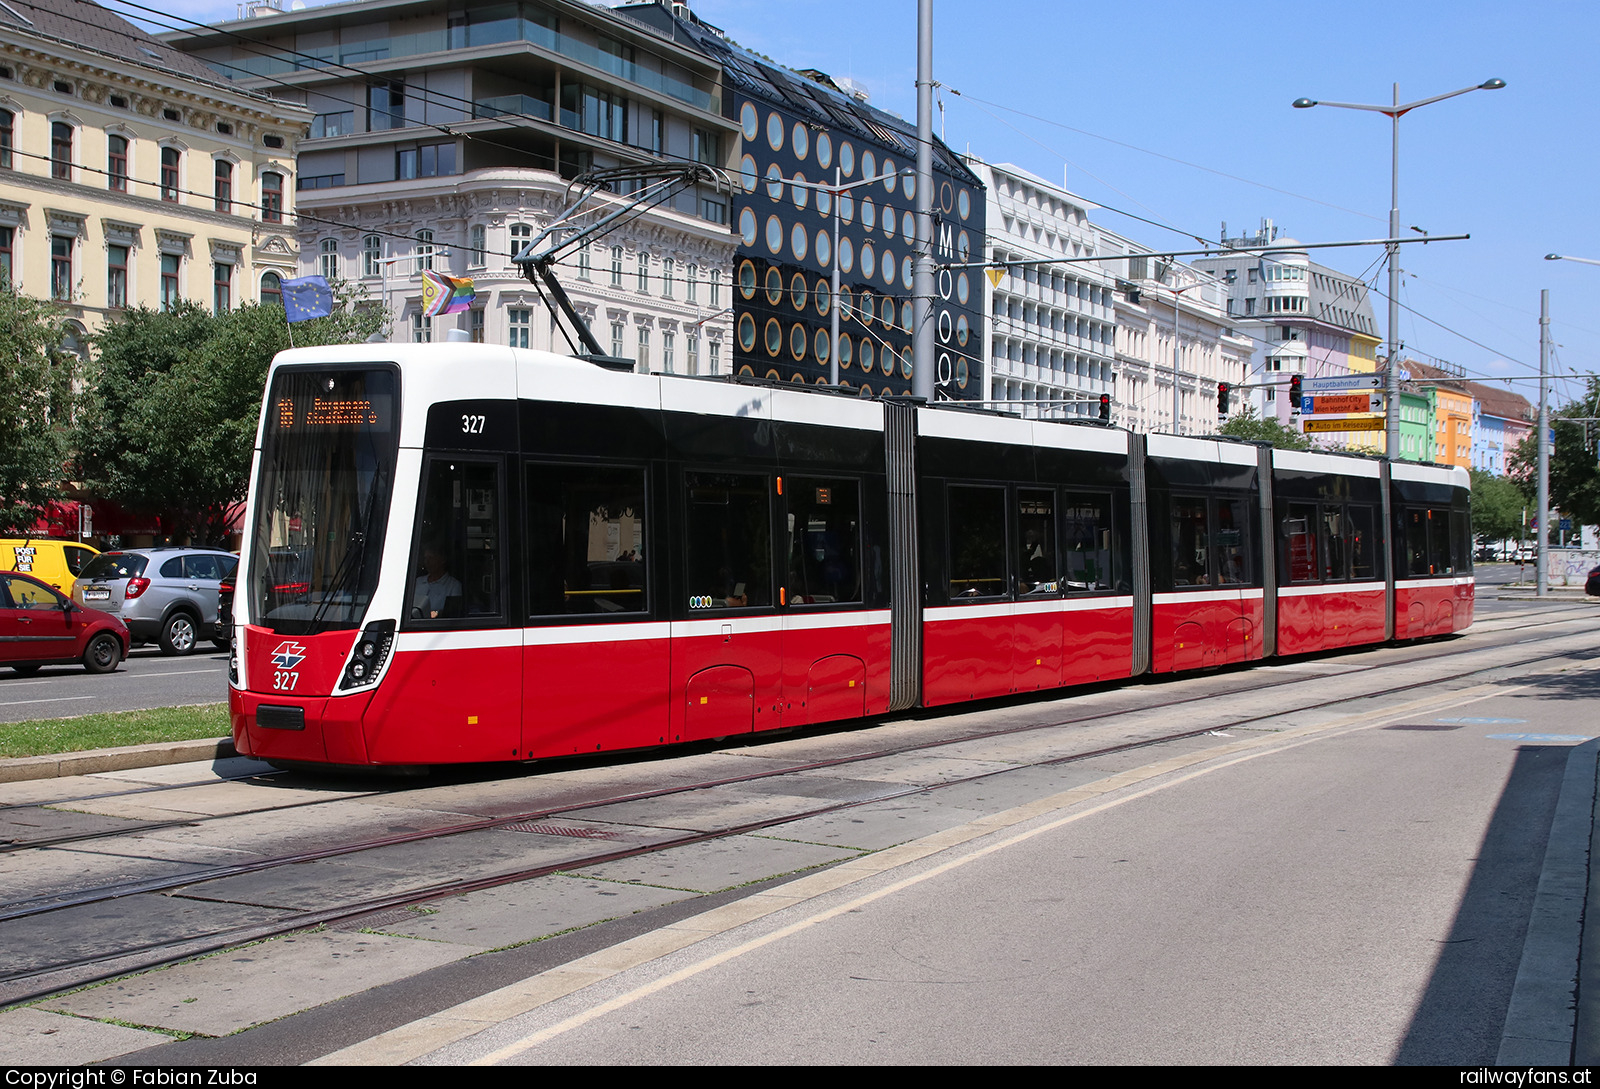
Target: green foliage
1574 475
1245 424
1497 505
38 382
174 404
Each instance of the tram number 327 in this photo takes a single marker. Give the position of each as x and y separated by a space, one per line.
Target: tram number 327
284 681
472 425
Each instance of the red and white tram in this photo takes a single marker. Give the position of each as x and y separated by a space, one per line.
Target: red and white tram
468 553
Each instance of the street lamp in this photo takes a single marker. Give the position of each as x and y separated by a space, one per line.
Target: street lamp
833 309
1394 113
1564 257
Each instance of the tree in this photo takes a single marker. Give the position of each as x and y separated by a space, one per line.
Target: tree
175 400
1574 476
1245 424
1497 506
38 380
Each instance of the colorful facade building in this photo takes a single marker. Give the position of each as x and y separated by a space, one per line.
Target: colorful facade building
1501 419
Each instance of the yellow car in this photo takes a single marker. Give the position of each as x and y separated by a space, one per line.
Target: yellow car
49 559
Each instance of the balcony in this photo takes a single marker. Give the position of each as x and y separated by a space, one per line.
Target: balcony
523 105
494 32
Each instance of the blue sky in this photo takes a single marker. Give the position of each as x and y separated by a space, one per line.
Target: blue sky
1210 84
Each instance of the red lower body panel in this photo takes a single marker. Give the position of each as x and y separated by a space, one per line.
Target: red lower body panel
1329 617
981 651
1205 629
1432 607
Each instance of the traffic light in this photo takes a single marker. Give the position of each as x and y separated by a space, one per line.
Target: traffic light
1223 390
1294 394
1105 407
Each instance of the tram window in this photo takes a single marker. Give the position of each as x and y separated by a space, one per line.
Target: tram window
1336 555
823 522
1416 525
1086 541
455 561
1231 542
977 542
729 528
1036 560
1439 552
1359 521
586 535
1300 542
1191 542
1461 539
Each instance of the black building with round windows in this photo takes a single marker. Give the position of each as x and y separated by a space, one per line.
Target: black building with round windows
800 127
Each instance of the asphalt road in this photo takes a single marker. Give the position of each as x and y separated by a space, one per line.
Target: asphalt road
145 680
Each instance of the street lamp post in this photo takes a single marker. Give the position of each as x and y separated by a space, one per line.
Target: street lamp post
1395 112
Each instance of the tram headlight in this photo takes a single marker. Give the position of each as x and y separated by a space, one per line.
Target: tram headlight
371 651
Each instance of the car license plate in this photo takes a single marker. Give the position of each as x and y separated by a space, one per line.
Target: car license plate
96 593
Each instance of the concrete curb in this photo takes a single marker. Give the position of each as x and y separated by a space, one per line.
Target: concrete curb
1545 1024
23 768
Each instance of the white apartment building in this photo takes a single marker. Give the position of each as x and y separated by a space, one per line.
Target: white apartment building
1304 318
1171 317
1051 344
444 136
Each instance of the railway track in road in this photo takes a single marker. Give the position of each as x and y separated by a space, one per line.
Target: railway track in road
118 950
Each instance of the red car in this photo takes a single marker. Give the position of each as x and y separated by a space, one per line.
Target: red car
39 626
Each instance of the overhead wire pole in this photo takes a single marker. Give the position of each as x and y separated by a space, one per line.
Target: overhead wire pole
1543 584
923 365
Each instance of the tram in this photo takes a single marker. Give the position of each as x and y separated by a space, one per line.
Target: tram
468 553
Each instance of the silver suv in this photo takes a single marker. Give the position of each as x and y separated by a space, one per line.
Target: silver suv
164 595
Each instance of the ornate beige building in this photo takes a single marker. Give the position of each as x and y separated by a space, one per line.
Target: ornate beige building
131 174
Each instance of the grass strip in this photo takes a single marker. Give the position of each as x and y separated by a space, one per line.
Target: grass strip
112 729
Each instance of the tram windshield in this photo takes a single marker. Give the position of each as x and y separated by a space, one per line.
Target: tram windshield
327 471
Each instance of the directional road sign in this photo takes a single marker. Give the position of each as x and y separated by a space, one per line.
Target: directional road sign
1341 382
1348 423
1337 404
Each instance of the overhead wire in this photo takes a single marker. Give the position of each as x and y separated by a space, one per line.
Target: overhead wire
1168 158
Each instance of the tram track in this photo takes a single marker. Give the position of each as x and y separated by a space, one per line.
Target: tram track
27 985
15 845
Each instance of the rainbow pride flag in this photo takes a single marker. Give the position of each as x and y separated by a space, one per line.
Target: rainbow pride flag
443 294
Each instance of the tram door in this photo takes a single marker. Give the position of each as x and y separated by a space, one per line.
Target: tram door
727 656
825 646
596 663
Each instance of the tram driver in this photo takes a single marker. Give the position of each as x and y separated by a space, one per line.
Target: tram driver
438 592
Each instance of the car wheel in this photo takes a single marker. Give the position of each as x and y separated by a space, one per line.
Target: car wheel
103 653
27 669
179 633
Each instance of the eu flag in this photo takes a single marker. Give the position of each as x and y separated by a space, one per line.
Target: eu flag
306 298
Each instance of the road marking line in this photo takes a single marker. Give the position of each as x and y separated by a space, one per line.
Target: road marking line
436 1031
53 699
